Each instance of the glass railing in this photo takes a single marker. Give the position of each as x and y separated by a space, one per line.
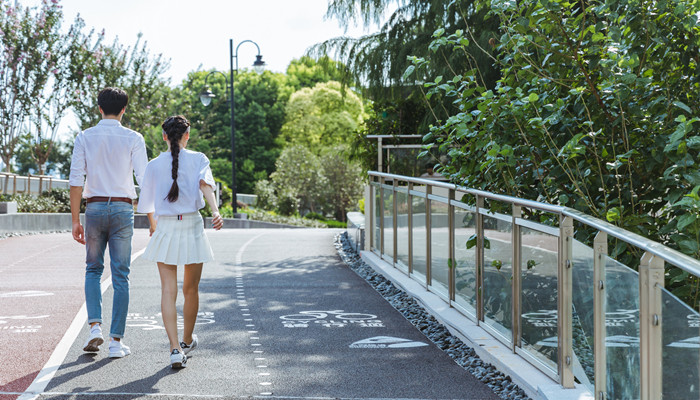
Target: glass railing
513 266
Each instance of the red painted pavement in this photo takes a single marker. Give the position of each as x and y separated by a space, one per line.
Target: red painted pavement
41 290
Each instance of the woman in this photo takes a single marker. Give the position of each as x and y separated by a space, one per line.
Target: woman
174 187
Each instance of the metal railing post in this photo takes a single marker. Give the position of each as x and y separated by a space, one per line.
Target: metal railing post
516 310
369 216
428 236
381 217
452 263
564 286
394 220
479 259
410 229
600 251
651 281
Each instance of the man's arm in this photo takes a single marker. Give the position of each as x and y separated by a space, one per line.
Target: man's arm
139 160
76 196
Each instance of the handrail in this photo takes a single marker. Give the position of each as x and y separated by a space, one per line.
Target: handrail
672 256
493 285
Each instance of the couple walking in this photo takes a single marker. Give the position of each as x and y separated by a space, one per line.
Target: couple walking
173 188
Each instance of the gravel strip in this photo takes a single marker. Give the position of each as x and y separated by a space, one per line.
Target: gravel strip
462 354
15 234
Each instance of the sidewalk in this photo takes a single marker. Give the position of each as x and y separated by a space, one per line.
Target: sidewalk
280 316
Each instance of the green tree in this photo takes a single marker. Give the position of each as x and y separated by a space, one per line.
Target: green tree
307 72
380 59
324 115
597 109
31 59
344 180
299 175
133 69
259 113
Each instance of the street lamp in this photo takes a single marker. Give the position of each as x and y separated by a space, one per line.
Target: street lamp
206 96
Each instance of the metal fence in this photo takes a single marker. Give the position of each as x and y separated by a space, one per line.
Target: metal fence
33 184
567 307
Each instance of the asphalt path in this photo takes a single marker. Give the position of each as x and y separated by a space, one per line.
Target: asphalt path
280 316
41 290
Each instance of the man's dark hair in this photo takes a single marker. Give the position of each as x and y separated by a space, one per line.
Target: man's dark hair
112 100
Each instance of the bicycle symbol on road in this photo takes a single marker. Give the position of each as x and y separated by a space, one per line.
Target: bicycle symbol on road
152 322
331 319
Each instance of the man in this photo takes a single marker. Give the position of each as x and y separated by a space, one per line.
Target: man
105 158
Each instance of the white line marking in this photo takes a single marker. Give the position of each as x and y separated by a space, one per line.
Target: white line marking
239 255
61 351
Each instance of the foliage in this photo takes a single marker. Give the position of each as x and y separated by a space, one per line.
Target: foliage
58 161
298 176
269 216
35 80
51 201
304 183
380 59
133 69
306 72
322 116
329 223
259 113
266 197
596 109
345 182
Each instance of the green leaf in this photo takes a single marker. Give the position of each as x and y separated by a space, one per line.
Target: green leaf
685 220
471 242
533 97
613 214
682 106
408 72
497 263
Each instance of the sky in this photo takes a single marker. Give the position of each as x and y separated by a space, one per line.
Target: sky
195 33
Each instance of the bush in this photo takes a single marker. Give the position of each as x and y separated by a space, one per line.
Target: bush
267 200
288 203
267 216
316 216
53 201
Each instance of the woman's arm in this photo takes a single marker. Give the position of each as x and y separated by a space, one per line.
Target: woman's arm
217 222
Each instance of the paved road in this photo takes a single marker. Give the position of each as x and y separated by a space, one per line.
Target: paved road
280 316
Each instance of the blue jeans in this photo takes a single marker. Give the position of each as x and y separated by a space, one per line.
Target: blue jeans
108 223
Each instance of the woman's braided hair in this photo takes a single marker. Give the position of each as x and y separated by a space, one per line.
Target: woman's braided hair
175 127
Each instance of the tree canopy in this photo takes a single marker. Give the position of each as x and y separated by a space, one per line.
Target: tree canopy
322 116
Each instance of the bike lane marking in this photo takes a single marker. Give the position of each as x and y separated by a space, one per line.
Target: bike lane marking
59 354
259 361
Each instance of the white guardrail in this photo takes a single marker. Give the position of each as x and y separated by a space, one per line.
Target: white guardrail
33 184
565 306
36 184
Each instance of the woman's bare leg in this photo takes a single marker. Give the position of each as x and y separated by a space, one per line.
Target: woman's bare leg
190 288
168 283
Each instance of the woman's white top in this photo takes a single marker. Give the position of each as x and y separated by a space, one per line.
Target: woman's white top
157 180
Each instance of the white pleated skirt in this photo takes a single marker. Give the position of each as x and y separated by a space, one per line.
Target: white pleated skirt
179 240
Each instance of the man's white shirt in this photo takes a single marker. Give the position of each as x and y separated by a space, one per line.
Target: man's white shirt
109 155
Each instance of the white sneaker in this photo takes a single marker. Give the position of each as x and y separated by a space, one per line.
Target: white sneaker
93 343
186 348
177 359
117 349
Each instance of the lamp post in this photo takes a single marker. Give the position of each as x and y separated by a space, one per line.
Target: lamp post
206 96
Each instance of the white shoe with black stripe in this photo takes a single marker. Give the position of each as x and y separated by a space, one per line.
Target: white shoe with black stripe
177 359
186 348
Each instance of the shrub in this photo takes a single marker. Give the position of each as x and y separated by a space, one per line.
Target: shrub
265 191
